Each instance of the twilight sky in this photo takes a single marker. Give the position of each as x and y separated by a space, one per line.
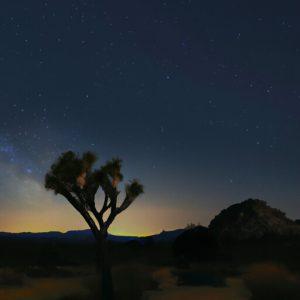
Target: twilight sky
201 99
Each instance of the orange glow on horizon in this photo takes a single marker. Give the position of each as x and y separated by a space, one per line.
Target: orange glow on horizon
139 220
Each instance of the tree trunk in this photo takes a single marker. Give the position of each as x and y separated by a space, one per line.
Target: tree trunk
106 288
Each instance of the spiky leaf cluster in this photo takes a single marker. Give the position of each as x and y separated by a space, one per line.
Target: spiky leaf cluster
112 169
67 169
134 189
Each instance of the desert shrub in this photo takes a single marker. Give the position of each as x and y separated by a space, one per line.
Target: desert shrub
10 277
271 281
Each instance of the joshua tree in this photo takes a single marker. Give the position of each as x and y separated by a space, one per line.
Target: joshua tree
74 178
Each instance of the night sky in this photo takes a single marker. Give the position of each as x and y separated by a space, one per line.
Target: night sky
201 99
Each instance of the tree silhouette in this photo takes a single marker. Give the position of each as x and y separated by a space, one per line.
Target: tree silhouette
74 178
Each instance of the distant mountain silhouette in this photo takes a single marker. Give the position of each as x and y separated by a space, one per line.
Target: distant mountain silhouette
87 236
252 219
167 236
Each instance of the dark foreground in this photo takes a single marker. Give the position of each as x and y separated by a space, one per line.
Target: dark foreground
42 270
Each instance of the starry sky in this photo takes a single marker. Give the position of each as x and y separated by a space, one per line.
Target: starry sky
201 99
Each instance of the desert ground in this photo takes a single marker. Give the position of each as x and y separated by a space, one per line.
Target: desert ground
40 271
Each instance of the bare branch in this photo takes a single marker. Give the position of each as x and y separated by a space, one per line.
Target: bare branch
81 209
105 206
125 204
113 209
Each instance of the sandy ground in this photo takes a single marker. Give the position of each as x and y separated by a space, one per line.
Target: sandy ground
235 289
46 289
261 281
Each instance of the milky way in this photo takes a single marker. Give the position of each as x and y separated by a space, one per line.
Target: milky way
200 99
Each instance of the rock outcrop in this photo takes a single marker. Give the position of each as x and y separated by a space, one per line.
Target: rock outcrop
252 219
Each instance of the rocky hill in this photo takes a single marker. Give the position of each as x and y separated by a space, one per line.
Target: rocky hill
252 219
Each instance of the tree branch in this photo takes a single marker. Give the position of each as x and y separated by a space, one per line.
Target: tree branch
125 204
105 206
80 208
113 209
90 201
